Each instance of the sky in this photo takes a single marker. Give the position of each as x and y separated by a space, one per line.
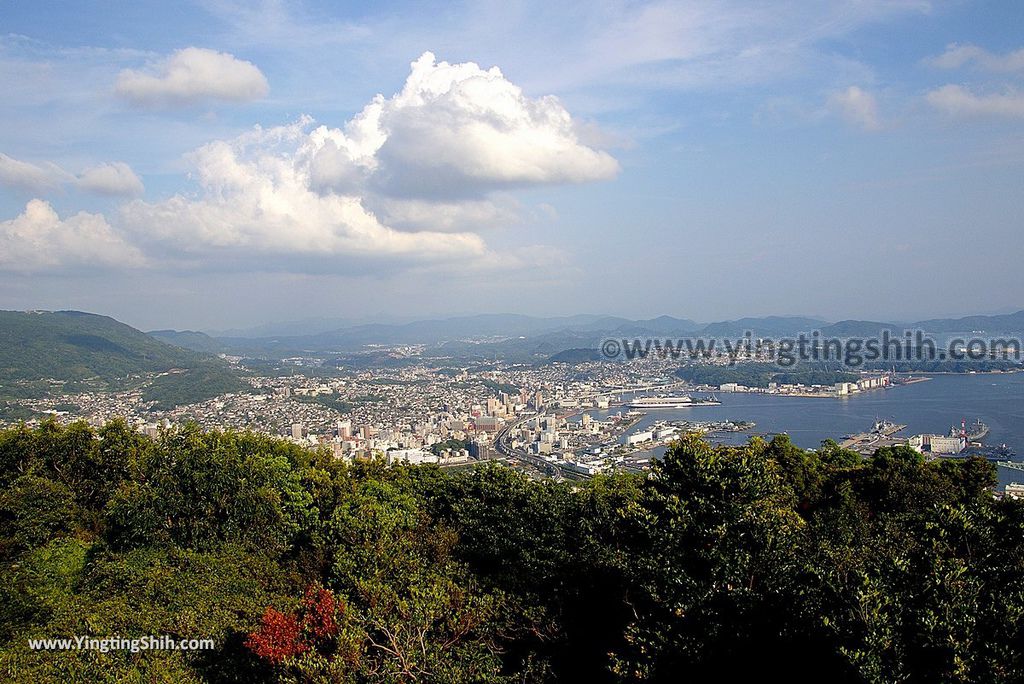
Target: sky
210 165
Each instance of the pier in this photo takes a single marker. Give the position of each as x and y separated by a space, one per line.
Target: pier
881 435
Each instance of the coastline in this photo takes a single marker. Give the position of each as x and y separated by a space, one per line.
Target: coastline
829 395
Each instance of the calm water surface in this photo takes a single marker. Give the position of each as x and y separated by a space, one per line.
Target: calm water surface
925 407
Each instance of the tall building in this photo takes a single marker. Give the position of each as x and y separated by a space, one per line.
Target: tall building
481 450
297 430
487 424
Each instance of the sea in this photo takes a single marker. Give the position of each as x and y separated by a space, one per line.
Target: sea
933 406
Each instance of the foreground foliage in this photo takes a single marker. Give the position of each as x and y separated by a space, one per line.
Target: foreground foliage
724 561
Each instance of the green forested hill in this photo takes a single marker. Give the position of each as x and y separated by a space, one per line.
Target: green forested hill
728 563
71 345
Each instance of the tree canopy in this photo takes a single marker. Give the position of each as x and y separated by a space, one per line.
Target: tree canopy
761 559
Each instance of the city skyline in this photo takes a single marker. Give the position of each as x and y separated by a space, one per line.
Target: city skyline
226 167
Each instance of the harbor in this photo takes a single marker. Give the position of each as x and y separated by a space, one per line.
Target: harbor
881 434
924 408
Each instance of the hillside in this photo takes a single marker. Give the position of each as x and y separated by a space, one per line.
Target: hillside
74 346
71 345
188 339
991 324
202 382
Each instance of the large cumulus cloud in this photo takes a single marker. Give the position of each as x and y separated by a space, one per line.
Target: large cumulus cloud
257 197
39 240
415 179
415 176
457 130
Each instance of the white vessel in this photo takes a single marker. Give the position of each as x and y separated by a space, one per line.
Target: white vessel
684 401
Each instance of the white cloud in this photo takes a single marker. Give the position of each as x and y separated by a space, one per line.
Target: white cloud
466 214
331 193
857 106
624 46
112 178
957 55
455 130
258 200
115 178
27 176
959 101
192 75
38 240
315 199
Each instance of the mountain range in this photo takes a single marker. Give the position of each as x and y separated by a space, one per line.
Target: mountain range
495 333
76 346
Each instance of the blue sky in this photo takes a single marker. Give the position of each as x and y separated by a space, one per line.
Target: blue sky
221 164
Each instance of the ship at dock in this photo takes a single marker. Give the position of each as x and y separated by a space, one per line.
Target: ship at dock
671 402
973 433
997 452
885 428
881 434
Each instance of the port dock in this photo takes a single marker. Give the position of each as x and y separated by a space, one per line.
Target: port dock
882 434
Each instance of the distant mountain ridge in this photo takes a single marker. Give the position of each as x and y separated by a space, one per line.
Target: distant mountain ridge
478 328
497 332
71 345
854 328
1001 323
188 339
765 326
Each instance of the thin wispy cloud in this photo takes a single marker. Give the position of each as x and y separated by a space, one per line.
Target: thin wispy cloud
858 107
957 56
960 101
667 44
